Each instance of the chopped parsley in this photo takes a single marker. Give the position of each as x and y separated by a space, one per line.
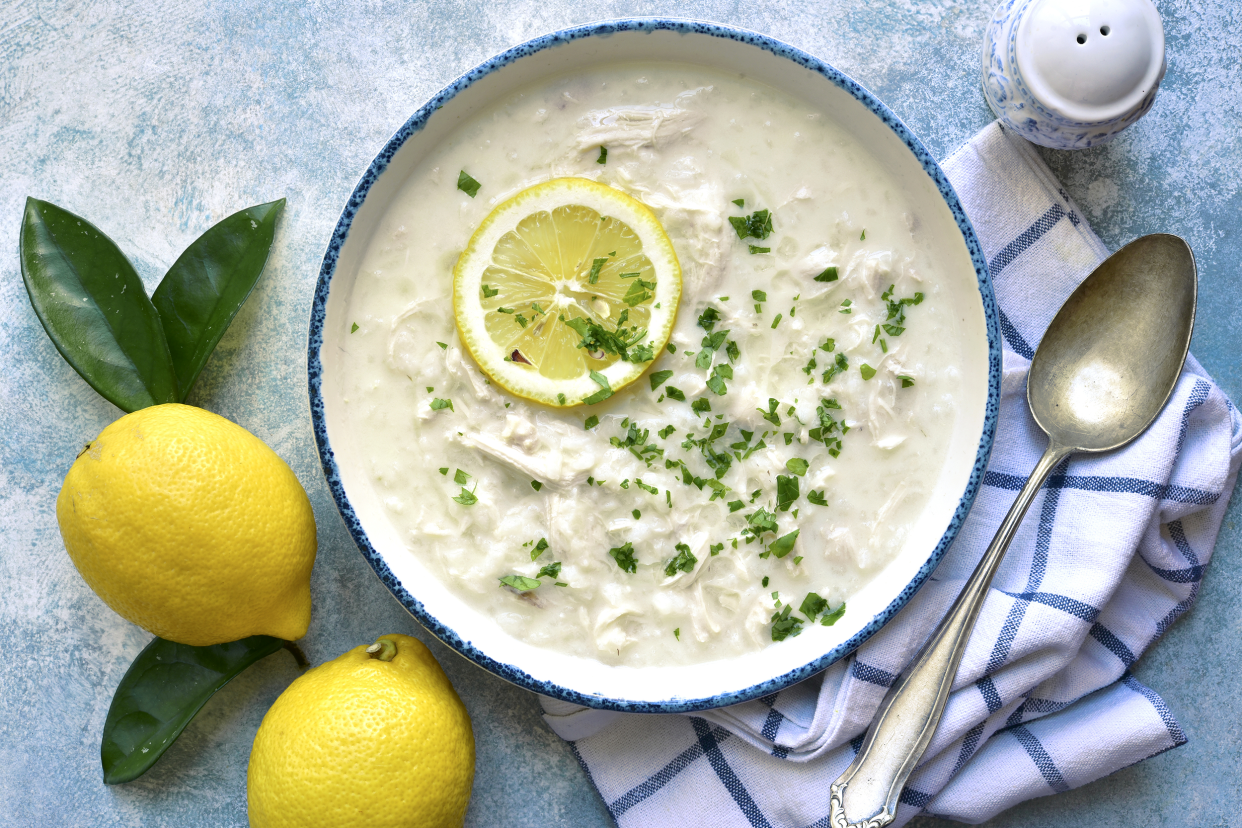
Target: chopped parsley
757 249
675 394
603 156
700 406
758 296
536 485
466 498
596 265
504 310
552 570
765 581
460 477
667 430
838 367
658 378
866 370
894 324
845 306
624 556
520 583
757 523
677 633
906 382
489 291
786 491
637 514
776 321
816 497
443 346
783 545
444 470
640 291
538 549
590 422
757 225
645 487
604 392
812 605
684 561
438 405
735 505
467 184
797 465
863 237
353 328
785 625
716 548
708 319
740 202
833 617
829 427
829 275
596 337
636 441
770 415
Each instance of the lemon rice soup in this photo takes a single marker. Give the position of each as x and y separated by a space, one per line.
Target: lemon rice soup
595 489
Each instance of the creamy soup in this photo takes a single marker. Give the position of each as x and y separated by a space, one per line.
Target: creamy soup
745 497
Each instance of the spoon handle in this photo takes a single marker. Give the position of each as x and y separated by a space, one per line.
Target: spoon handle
911 710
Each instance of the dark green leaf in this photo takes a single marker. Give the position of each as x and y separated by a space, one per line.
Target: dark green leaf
783 545
206 286
658 378
161 692
467 184
93 306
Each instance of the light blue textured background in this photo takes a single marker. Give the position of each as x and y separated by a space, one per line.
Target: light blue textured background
156 120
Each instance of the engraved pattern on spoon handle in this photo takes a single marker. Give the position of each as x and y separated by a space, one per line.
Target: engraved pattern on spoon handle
912 708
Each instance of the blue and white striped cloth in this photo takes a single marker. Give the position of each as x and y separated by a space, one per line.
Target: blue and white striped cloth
1112 551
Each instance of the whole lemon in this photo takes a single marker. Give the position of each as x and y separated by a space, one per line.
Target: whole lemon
364 741
191 527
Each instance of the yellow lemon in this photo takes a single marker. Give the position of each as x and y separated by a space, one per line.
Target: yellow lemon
369 740
191 527
567 292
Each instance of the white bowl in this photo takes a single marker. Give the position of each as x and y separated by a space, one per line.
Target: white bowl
672 688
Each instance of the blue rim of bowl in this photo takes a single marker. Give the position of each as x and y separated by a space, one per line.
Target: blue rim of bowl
315 368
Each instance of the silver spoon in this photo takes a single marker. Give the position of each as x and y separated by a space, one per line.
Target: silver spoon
1103 371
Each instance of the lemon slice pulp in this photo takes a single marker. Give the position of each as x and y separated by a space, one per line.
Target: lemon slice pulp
567 292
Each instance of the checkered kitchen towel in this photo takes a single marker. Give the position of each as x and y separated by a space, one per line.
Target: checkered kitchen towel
1112 551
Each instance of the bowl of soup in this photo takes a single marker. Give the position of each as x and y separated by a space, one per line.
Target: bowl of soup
793 462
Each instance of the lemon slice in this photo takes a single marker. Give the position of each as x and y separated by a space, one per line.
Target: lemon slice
567 292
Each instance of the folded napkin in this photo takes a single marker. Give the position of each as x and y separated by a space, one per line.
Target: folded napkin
1112 551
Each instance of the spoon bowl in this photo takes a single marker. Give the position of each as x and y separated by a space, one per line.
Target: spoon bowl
1113 352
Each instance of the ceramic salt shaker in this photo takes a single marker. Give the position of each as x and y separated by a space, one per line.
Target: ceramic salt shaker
1070 74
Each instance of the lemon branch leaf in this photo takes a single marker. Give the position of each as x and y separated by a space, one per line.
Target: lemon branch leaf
206 286
160 693
92 304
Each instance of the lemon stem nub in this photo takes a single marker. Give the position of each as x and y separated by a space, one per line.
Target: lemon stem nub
384 649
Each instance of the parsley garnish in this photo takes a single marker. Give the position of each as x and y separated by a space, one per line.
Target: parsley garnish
443 346
604 392
590 422
776 321
812 605
467 184
353 328
675 393
784 625
708 319
906 381
816 497
829 275
667 430
759 522
837 367
646 488
740 202
757 225
770 415
863 237
734 505
552 570
658 378
716 548
797 465
466 498
504 310
624 556
489 291
786 491
595 268
539 548
845 306
519 583
866 370
756 249
460 477
596 337
684 561
438 404
536 485
834 616
758 296
783 545
603 156
701 406
637 514
639 291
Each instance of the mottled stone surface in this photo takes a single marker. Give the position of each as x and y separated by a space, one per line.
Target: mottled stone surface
155 120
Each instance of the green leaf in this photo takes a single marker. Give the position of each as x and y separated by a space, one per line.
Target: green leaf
519 582
161 692
93 306
783 545
206 286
